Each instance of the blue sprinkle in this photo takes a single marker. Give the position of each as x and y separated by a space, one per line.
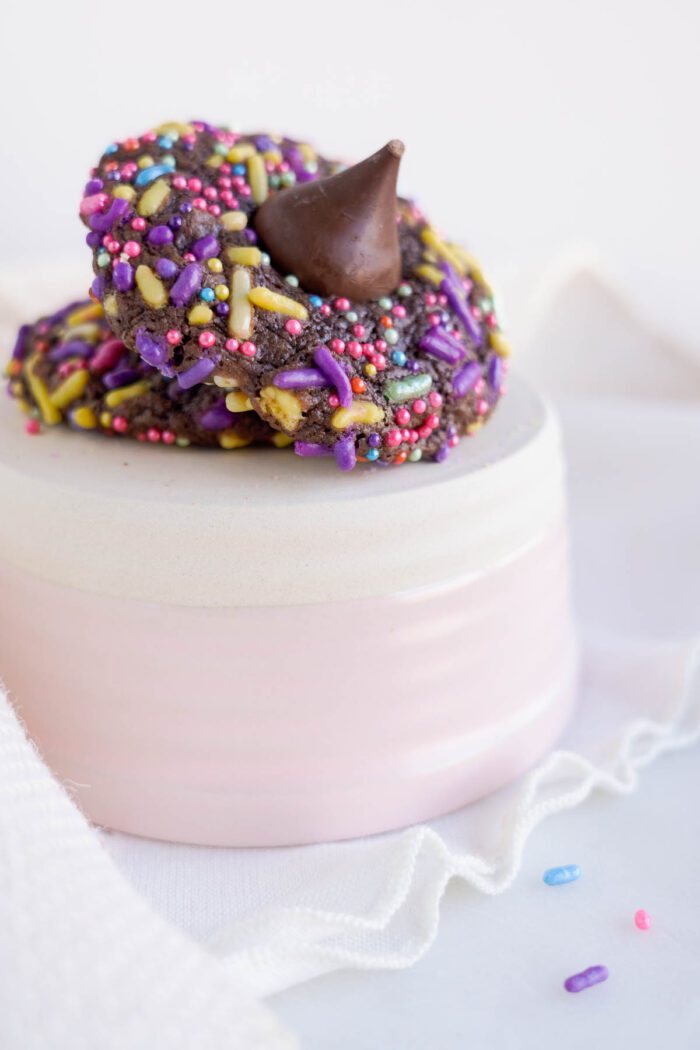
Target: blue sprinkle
207 294
565 873
373 453
316 301
147 175
112 148
165 142
238 169
398 357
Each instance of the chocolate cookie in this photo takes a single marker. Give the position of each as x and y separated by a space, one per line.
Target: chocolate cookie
70 367
351 325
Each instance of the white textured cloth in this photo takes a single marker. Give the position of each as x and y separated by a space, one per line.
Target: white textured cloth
90 960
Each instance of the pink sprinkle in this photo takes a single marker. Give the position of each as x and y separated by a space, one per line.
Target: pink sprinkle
119 424
442 300
393 438
199 203
113 247
333 400
642 919
425 431
354 349
398 310
479 387
180 182
224 181
402 416
173 337
168 437
432 421
453 441
435 399
153 434
132 249
430 299
482 407
358 330
194 184
245 191
248 349
325 310
32 426
413 436
141 436
138 223
379 362
207 339
342 304
214 209
211 193
337 346
380 345
293 326
434 319
419 406
189 257
231 345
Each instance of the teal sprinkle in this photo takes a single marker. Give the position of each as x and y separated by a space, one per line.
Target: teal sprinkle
351 316
292 279
415 455
398 357
103 259
221 148
405 389
288 178
274 181
208 295
385 303
372 454
405 290
165 142
264 259
391 336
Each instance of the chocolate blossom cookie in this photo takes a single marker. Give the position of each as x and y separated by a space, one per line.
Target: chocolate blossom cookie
336 308
70 367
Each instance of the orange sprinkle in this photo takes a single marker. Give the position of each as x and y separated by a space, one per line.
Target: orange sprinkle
386 321
358 385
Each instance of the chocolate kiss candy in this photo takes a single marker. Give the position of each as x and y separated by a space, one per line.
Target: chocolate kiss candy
339 235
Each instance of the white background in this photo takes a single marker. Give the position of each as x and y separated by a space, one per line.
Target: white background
532 128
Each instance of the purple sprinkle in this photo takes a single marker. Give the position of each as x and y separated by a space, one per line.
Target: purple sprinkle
334 374
457 297
466 379
153 351
206 247
98 287
75 348
441 454
175 223
250 235
117 210
92 186
301 379
93 239
310 448
587 978
196 374
217 417
186 208
263 143
495 372
221 309
344 451
160 235
119 377
107 355
123 276
374 441
439 343
166 268
186 285
20 347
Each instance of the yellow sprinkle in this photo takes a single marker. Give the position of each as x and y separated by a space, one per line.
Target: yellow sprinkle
115 397
244 256
70 389
273 156
499 343
237 401
281 440
238 153
225 383
240 318
125 193
83 314
471 266
153 199
230 439
151 287
105 419
14 367
23 405
215 265
429 237
85 418
430 273
215 160
257 177
200 314
145 161
174 129
307 152
370 370
359 412
222 292
234 220
40 393
280 304
89 331
283 405
473 428
111 306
